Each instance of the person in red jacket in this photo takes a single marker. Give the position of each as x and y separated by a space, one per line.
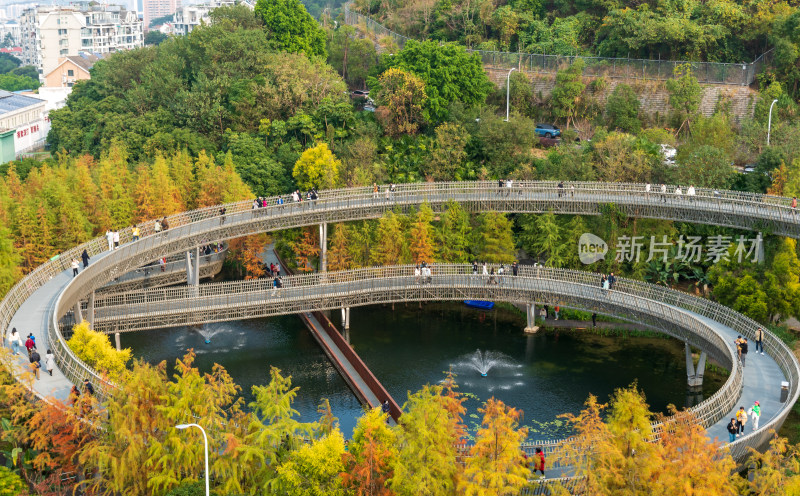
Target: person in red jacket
538 461
30 344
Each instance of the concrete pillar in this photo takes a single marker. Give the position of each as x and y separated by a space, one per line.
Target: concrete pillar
530 311
694 375
196 274
78 313
323 247
117 341
189 271
90 310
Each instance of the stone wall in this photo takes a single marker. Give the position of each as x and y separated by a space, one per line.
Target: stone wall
652 94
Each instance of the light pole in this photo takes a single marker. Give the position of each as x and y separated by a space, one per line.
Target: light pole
508 89
205 443
769 123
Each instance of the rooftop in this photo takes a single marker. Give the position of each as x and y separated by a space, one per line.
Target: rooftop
10 102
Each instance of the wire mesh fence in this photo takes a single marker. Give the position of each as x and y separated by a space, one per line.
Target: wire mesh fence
742 74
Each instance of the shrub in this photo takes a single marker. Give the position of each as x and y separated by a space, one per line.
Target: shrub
96 350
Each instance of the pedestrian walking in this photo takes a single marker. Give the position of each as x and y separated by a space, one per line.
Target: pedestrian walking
647 190
375 190
606 284
427 274
741 419
474 268
611 281
500 272
560 189
30 344
110 239
538 462
135 231
164 224
515 269
85 258
664 192
277 284
572 191
14 340
222 215
743 347
116 239
759 340
74 264
509 183
485 270
88 388
416 274
794 205
690 193
594 320
157 226
385 407
491 278
738 343
733 430
74 395
755 414
35 363
49 362
678 192
557 309
500 184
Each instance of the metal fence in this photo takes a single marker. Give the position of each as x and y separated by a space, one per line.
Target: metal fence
646 69
205 225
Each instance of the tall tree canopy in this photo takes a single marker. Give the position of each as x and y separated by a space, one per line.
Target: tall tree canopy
291 27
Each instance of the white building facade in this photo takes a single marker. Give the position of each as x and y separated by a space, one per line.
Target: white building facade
27 117
50 33
190 16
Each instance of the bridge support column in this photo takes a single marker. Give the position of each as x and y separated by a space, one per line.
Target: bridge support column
77 312
90 310
323 247
346 318
196 274
694 374
117 341
530 310
193 267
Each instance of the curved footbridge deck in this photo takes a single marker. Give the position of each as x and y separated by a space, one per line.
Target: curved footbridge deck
42 298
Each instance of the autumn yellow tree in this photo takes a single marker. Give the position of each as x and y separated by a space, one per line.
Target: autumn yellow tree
421 240
389 244
496 464
96 350
339 257
305 248
373 452
775 472
317 167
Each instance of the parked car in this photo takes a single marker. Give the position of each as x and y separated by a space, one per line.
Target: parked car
547 131
369 108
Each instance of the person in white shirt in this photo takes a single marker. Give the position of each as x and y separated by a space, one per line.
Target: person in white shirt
416 274
690 192
509 183
647 189
116 239
74 267
110 239
678 191
663 192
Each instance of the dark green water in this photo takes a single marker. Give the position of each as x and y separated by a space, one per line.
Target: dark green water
544 375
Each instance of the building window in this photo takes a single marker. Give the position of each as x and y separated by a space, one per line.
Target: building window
70 72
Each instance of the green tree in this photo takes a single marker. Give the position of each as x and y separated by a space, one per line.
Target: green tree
622 109
704 166
426 463
317 167
454 234
9 261
13 82
684 95
449 74
495 241
402 100
547 241
448 153
291 27
567 92
11 484
154 37
389 242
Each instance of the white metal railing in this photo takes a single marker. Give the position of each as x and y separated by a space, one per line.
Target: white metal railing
204 225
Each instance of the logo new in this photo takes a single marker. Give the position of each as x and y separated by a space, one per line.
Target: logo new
591 248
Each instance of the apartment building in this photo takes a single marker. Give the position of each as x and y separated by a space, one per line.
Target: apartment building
23 123
189 17
153 9
50 33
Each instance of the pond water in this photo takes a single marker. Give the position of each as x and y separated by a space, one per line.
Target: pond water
544 375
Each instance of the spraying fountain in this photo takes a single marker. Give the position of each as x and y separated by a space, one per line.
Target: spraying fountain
484 361
207 332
